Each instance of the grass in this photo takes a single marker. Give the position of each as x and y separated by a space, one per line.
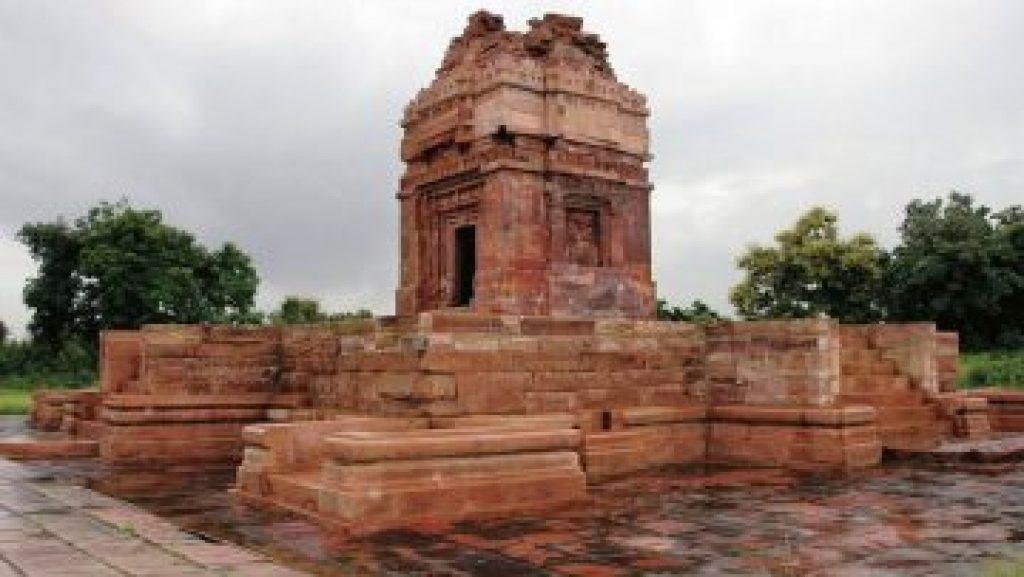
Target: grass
1003 569
15 401
16 391
992 369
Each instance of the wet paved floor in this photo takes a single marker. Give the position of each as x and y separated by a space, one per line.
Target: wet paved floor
888 522
52 529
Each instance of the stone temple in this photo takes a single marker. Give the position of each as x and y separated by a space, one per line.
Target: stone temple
525 189
524 363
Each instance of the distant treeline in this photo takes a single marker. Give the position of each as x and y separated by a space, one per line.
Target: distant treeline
957 263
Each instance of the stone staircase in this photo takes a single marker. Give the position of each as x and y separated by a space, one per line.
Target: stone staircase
905 419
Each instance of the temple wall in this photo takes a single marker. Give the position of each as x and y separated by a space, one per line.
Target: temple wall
773 362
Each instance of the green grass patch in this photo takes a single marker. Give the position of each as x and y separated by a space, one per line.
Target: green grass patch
16 390
15 401
992 369
1003 569
47 381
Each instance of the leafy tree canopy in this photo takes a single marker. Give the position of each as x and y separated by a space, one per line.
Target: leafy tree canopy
962 266
697 312
4 332
119 268
811 271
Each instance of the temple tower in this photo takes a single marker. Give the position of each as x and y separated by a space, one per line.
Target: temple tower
525 189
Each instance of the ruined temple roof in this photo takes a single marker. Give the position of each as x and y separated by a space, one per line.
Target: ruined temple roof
553 38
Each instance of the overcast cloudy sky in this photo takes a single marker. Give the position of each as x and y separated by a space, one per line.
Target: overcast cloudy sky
275 124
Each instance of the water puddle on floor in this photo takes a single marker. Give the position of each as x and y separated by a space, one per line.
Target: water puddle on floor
890 521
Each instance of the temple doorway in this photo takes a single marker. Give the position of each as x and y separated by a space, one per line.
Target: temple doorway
465 265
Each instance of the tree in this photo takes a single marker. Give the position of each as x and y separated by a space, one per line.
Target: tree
961 266
119 268
1010 235
697 312
4 332
296 310
812 271
54 295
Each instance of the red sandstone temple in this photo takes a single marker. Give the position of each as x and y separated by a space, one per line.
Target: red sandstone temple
525 190
523 363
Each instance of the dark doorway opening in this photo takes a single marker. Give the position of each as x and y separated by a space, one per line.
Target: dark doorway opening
465 264
606 420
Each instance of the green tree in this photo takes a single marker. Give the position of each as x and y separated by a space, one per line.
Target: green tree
54 294
296 310
1010 235
119 268
697 312
811 271
4 332
961 266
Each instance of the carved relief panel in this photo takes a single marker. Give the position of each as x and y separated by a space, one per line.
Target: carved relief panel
583 237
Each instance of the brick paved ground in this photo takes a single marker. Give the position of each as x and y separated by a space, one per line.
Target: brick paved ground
55 529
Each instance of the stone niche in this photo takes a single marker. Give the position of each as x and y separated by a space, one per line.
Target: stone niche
526 190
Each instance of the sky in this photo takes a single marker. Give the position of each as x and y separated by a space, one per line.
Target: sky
276 124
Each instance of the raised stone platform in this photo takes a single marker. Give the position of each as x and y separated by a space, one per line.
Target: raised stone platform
808 395
360 474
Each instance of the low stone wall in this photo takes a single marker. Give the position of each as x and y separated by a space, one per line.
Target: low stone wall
1005 408
68 410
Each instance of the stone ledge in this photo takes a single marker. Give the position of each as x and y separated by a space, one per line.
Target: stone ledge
31 449
825 416
385 446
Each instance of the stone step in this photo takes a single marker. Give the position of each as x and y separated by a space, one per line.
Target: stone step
354 476
905 414
384 446
28 448
910 435
296 490
873 383
363 509
907 397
